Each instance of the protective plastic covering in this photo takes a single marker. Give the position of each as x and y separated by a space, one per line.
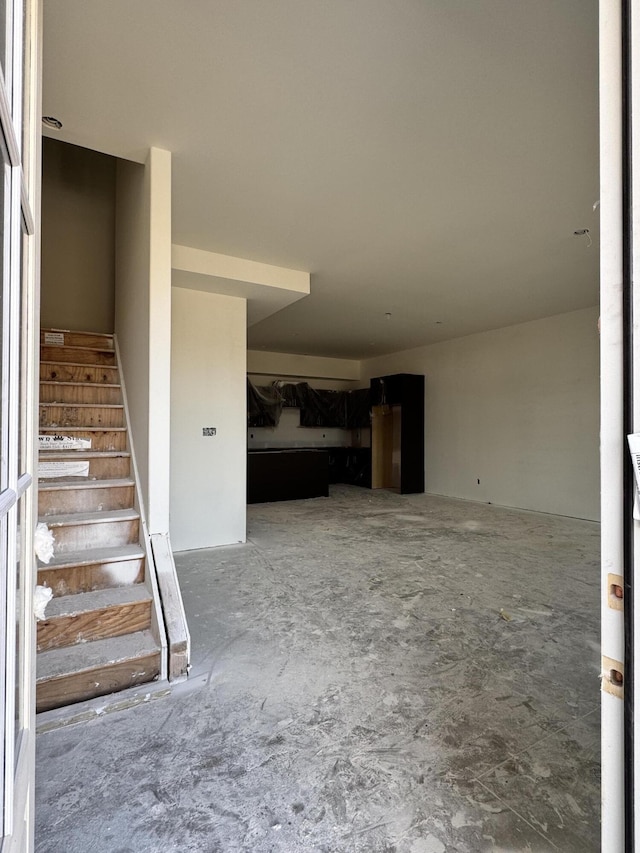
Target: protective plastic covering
264 405
318 408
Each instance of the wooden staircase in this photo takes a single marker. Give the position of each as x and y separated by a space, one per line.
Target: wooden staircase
103 629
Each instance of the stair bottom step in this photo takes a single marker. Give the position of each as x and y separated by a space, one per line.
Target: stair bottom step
77 673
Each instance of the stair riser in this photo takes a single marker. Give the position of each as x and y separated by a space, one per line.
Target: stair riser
65 690
60 416
80 537
70 580
77 356
100 439
61 393
62 501
78 373
109 468
94 625
79 339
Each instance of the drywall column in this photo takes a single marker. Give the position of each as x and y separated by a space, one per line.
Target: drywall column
208 377
612 428
143 320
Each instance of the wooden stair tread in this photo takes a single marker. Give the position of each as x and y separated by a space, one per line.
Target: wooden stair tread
74 519
97 599
85 406
83 483
83 454
78 363
77 347
71 382
68 660
90 556
107 335
88 428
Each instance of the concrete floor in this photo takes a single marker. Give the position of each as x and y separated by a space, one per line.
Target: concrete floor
372 672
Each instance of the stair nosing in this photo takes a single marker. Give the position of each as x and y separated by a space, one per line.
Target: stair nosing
84 405
51 485
77 332
64 606
75 519
71 382
79 363
91 556
89 428
77 347
91 454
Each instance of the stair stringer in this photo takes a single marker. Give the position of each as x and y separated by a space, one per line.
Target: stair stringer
161 579
150 580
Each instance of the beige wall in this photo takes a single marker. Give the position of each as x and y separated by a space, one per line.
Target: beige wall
143 320
208 380
78 238
516 408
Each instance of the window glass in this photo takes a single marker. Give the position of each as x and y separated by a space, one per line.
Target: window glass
4 24
23 377
21 551
4 310
3 654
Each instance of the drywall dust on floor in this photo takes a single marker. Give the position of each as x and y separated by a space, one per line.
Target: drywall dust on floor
372 672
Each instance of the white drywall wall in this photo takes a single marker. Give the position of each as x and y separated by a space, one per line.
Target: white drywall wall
516 408
78 234
208 378
143 320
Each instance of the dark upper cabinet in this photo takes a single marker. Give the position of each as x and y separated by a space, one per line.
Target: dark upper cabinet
404 394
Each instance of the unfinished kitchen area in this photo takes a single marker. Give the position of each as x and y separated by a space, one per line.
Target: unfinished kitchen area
348 260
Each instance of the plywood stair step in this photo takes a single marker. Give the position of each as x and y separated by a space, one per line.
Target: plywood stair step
77 494
78 355
72 392
93 568
62 415
76 673
82 483
103 464
94 615
82 530
57 371
101 438
66 337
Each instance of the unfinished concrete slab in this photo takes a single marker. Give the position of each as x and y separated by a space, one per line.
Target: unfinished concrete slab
372 672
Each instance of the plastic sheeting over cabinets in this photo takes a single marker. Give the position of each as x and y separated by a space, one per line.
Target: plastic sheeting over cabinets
318 408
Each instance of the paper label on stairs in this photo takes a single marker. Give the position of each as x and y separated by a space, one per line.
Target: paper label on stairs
63 442
54 339
63 469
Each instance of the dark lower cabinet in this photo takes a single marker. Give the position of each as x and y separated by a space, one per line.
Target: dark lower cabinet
351 465
287 475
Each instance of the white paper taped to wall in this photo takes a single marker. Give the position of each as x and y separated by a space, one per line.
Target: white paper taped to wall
63 442
54 339
634 448
63 469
